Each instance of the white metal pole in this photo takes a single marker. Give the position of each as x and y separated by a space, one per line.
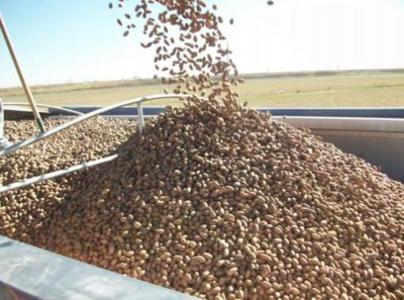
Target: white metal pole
37 179
27 90
140 116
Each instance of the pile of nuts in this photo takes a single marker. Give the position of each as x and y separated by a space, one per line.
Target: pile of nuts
212 199
23 211
220 202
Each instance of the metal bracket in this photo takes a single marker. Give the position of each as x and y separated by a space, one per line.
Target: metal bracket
3 141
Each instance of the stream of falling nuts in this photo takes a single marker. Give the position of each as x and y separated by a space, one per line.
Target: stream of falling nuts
211 199
190 49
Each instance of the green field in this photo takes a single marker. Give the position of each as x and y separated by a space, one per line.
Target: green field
353 89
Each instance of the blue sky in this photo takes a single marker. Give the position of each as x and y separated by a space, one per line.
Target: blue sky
76 40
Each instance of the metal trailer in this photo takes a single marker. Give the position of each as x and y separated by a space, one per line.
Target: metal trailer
26 272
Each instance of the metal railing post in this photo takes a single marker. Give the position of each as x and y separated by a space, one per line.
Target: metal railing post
140 116
3 141
27 90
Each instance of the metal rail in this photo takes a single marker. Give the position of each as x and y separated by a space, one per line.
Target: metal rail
27 90
81 118
37 179
68 110
87 116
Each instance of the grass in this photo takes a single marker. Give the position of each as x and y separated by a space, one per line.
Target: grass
352 89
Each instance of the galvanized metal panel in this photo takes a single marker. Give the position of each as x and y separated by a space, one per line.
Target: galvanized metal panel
379 141
30 271
383 150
